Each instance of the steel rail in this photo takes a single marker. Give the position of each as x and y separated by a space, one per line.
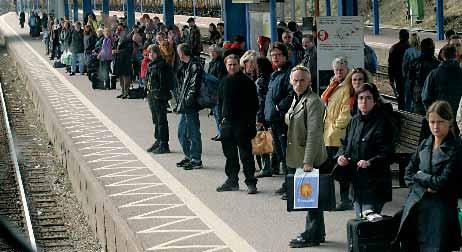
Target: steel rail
14 158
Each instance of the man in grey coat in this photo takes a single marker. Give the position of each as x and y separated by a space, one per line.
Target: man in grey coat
305 146
76 47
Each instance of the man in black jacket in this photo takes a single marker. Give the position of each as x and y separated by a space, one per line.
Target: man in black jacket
189 85
76 47
419 70
239 103
278 100
445 82
159 77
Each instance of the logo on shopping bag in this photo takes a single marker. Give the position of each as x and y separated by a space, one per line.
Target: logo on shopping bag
306 190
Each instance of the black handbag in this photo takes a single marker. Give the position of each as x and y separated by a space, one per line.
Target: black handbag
326 200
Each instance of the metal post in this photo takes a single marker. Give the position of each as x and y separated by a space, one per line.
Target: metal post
141 6
130 13
66 8
439 20
247 19
273 21
94 4
341 8
328 9
106 7
292 10
235 21
194 8
316 8
87 7
168 12
283 11
375 9
303 9
75 8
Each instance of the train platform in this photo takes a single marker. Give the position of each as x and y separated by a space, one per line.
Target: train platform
136 201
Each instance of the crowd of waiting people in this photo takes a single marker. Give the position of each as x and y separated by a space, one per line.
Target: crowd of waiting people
348 126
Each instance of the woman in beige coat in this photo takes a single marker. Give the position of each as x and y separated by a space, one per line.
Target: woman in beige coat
338 99
305 147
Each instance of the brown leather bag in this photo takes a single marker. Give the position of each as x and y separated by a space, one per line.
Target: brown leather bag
262 143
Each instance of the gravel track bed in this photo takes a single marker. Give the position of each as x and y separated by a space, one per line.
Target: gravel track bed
80 236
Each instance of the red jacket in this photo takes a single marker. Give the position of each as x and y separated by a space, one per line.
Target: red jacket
144 64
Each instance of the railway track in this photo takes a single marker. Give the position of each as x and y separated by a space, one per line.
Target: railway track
35 211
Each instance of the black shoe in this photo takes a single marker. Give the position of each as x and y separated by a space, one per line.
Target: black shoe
300 242
227 188
72 74
281 191
183 162
215 138
344 207
120 96
154 146
193 165
284 196
125 96
252 189
262 175
161 150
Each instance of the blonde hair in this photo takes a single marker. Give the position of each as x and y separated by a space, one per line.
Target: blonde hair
249 55
167 52
414 41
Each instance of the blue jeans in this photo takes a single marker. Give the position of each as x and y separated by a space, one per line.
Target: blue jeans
74 58
217 115
189 135
373 205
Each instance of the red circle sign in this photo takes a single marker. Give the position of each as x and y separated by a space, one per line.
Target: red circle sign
323 35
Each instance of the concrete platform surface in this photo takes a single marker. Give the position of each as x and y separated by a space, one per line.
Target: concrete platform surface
140 202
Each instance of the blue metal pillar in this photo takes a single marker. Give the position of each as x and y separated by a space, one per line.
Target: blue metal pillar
328 8
235 22
167 12
66 9
247 35
347 8
75 7
273 21
439 20
375 10
106 7
130 13
87 8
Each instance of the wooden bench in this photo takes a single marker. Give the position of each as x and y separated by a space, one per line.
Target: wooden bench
410 135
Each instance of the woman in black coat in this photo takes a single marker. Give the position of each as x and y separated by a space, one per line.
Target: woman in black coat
430 221
366 153
123 60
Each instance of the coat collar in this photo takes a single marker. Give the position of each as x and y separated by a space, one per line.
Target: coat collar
301 103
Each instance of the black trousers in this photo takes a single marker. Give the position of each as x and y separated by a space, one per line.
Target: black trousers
315 230
159 119
236 148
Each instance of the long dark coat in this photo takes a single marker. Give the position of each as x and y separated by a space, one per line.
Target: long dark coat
431 218
122 59
368 137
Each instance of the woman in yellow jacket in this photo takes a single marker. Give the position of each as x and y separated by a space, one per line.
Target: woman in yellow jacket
337 98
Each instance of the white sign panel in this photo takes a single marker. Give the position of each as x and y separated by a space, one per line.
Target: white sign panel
340 36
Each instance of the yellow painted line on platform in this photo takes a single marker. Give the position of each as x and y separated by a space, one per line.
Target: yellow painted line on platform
221 229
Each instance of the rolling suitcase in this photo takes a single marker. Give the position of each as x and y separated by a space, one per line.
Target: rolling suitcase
366 236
